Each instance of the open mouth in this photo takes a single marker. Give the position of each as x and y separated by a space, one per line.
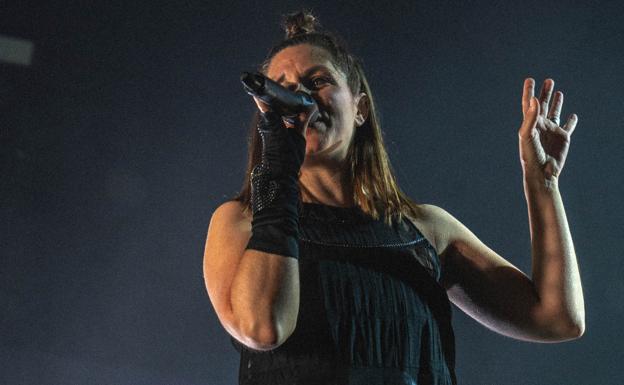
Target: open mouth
319 124
319 119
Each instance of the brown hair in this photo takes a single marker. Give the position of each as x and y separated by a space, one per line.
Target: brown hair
374 185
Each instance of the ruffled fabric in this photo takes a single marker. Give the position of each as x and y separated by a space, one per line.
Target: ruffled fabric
371 311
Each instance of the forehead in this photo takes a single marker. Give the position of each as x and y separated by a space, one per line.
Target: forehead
298 59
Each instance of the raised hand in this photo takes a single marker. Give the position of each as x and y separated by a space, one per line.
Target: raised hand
543 143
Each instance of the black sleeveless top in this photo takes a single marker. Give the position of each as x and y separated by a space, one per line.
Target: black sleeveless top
371 308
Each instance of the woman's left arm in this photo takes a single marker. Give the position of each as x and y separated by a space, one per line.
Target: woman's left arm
543 146
549 306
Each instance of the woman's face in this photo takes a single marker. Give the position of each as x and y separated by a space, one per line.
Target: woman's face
308 68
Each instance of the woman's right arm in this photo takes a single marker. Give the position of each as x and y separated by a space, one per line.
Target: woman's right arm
255 294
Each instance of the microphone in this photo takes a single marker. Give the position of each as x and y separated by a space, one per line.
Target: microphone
283 101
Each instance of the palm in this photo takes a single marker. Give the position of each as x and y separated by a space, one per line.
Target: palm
543 143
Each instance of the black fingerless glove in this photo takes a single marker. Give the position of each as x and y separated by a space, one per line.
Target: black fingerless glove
275 188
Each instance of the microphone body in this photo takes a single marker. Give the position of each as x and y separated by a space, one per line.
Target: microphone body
283 101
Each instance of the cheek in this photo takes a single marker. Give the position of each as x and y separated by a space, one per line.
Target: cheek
338 104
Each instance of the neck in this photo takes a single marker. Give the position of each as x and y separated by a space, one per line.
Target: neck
330 186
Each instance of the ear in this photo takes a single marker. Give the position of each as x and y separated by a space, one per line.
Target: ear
363 107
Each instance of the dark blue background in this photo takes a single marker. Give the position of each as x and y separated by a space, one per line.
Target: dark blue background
129 129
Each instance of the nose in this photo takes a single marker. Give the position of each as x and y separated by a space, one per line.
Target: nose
295 87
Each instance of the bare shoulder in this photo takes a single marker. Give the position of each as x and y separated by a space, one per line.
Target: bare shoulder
232 208
231 213
436 224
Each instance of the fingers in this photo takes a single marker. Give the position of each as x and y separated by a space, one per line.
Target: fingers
527 94
530 118
571 124
299 122
555 108
545 94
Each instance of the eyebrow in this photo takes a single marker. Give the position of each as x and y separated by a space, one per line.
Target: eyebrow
307 72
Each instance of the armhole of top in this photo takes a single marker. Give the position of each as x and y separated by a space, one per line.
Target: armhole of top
433 262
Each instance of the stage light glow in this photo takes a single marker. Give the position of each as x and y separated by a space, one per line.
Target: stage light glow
16 51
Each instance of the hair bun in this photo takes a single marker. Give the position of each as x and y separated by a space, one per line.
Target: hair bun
299 23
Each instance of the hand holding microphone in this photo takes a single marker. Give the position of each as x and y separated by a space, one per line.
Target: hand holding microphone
275 180
297 108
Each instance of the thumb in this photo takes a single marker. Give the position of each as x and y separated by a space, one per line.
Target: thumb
262 106
530 119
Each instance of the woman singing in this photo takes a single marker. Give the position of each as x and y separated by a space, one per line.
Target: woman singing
324 272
